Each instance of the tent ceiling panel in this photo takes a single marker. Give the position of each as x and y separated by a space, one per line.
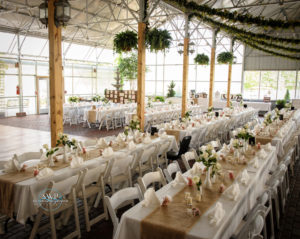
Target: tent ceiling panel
95 22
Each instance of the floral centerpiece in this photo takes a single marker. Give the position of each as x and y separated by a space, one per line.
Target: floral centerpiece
268 119
187 116
134 124
210 109
208 157
64 141
73 99
49 153
244 133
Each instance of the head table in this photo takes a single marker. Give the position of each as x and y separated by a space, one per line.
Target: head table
26 192
135 222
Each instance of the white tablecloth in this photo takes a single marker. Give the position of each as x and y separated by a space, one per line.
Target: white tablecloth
220 104
26 192
130 223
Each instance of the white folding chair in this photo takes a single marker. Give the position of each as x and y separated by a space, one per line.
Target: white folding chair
93 188
118 200
145 162
152 178
121 172
161 155
68 187
171 169
188 156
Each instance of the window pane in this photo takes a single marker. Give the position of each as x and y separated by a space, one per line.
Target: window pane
202 87
221 73
287 81
28 85
251 85
82 85
150 88
202 73
173 73
268 84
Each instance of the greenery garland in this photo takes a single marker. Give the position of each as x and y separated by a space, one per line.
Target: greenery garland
251 44
193 7
270 44
234 31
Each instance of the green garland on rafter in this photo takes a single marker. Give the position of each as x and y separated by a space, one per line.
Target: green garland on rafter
270 44
234 17
234 31
267 50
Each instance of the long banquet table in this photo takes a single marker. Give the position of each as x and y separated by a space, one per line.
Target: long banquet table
26 192
131 222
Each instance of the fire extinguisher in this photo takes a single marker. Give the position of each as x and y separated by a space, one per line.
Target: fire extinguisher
18 90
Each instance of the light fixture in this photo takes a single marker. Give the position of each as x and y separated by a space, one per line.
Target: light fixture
43 12
191 47
62 12
180 48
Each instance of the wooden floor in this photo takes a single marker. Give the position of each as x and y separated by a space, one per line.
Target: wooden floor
16 140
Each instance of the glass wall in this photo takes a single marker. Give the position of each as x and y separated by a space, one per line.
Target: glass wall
274 84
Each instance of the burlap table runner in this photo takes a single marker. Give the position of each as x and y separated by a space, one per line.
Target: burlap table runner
173 221
263 140
175 133
7 183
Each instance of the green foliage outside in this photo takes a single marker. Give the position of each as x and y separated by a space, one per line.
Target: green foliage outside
171 91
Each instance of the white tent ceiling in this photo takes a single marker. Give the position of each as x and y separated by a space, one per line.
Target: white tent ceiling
95 22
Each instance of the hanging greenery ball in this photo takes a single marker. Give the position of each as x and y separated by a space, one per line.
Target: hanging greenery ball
201 59
125 41
158 40
225 57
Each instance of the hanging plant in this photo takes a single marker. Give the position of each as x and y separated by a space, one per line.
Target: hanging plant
158 40
125 41
225 57
201 59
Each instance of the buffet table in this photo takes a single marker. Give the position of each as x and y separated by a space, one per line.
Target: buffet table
136 222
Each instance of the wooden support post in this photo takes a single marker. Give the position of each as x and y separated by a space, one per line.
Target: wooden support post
55 64
141 65
212 68
185 68
229 76
141 74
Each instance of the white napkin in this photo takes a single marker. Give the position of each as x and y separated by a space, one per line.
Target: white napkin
216 214
147 140
167 126
244 177
102 143
262 154
76 162
120 139
107 152
215 144
197 168
137 134
12 165
43 157
189 127
280 134
150 199
44 173
197 124
179 180
255 162
233 192
131 145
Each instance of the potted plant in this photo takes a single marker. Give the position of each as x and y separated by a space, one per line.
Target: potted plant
125 41
201 59
96 98
225 57
280 104
128 67
158 40
287 96
171 91
159 99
